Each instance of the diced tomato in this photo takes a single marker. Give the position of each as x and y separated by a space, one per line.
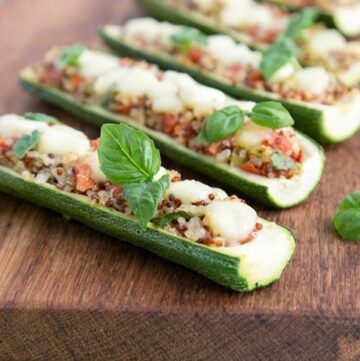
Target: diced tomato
95 143
280 142
123 108
83 177
195 55
77 81
169 123
254 77
51 77
249 167
214 148
126 61
299 156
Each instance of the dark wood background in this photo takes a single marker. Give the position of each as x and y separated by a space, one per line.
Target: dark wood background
58 276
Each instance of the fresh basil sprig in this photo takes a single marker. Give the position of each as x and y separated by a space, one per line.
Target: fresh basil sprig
271 115
40 117
70 56
164 220
284 50
144 197
347 217
281 162
222 124
25 143
186 37
226 121
128 157
306 18
281 53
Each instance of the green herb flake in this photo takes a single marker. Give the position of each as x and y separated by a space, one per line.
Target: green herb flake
281 53
221 124
187 37
69 57
40 117
143 198
271 115
280 162
127 155
165 219
347 217
303 20
25 143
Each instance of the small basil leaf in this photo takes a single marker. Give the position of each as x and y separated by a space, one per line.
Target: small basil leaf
221 124
303 20
186 37
25 143
127 155
281 53
70 56
281 162
168 218
143 198
40 117
272 115
347 217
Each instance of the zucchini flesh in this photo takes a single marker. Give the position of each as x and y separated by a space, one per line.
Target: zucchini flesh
221 266
256 187
309 118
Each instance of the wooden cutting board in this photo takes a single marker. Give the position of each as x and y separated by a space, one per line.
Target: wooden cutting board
70 293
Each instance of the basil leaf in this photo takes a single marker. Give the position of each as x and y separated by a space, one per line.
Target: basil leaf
281 162
281 53
186 37
25 143
127 155
143 198
221 124
168 218
303 20
272 115
40 117
70 56
347 217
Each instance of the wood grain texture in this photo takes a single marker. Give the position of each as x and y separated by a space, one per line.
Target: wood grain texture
48 263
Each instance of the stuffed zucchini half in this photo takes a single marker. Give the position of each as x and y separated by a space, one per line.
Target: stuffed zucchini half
116 185
249 22
321 105
250 147
344 15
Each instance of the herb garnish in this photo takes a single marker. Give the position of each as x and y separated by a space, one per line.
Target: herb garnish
186 37
226 121
347 217
40 117
165 219
128 157
284 50
25 143
281 162
70 56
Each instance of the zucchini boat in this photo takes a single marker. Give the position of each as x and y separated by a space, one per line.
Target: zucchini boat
248 22
190 223
271 163
344 15
322 106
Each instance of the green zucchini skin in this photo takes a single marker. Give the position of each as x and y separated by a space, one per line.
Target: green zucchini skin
219 267
308 120
98 116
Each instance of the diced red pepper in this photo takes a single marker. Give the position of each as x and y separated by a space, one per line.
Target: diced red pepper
83 177
95 143
169 123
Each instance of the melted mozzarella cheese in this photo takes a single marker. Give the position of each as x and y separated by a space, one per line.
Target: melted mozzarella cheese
162 88
169 103
231 219
285 72
91 158
95 63
191 191
327 41
178 79
12 125
61 139
110 80
251 135
314 80
148 28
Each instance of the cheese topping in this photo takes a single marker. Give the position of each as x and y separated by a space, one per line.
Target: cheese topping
251 135
314 80
326 41
13 125
95 63
231 219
